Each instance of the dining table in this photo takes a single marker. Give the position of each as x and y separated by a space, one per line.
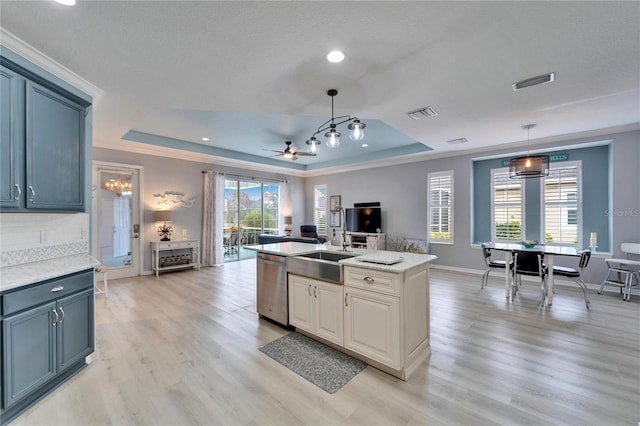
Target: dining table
550 252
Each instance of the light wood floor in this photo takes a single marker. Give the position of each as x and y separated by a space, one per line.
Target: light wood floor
182 349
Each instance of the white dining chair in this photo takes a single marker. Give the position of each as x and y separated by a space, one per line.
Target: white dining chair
624 272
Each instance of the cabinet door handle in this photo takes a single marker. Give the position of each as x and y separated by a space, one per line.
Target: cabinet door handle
55 321
18 192
61 314
57 289
369 280
345 299
309 290
32 192
315 287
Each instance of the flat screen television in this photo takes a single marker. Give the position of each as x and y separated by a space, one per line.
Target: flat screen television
363 219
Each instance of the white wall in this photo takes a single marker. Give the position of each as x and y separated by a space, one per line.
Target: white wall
161 174
402 191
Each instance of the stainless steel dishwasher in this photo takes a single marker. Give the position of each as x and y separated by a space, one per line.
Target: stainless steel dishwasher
273 299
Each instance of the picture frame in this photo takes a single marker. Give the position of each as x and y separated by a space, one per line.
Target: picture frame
336 219
415 245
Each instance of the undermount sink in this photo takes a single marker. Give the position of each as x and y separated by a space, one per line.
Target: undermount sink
331 256
321 265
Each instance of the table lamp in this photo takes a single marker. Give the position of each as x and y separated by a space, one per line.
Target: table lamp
164 230
288 220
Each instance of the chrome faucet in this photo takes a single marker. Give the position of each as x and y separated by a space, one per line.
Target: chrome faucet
340 209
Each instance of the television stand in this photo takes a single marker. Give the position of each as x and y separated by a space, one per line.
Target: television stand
367 241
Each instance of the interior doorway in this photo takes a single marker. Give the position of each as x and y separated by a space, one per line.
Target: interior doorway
117 221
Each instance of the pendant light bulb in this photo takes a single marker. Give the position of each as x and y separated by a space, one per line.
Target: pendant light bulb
357 132
313 145
333 137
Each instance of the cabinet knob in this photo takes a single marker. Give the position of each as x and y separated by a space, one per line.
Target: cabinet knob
346 295
369 280
32 192
61 314
18 192
57 289
309 290
55 320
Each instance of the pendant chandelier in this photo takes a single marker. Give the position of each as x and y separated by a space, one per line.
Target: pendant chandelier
118 187
529 166
330 127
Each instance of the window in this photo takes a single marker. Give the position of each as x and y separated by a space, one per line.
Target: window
320 208
251 208
506 206
562 212
441 206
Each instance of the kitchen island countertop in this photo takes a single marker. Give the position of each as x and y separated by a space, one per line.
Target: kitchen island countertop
405 261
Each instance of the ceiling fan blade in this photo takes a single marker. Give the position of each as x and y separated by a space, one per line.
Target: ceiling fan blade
303 154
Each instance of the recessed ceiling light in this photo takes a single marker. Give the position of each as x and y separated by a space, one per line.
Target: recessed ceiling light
66 2
364 145
205 139
335 56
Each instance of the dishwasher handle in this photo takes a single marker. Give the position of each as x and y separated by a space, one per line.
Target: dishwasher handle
273 259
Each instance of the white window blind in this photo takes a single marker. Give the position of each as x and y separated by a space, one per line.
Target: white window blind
506 209
562 212
441 206
320 208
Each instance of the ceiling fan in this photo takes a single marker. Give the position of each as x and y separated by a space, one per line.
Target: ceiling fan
291 153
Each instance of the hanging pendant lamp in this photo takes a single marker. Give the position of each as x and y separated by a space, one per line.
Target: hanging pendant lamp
332 134
529 166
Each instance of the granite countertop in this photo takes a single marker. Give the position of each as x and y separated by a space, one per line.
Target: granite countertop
405 260
28 273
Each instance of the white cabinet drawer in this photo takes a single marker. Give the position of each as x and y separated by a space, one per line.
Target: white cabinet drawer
178 245
368 279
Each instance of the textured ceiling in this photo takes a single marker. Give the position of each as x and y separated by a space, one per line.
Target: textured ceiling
250 75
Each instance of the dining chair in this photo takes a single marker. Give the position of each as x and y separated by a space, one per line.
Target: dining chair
622 271
528 263
491 265
231 244
576 273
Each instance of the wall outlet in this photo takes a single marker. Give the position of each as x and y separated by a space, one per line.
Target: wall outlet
44 237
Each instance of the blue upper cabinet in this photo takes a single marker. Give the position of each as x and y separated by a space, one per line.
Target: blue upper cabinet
11 139
43 145
55 151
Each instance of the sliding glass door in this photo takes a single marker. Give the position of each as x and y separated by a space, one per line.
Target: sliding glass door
251 208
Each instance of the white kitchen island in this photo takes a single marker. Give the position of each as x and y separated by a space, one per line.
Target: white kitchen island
380 313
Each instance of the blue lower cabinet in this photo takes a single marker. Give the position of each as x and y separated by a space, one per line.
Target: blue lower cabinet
47 331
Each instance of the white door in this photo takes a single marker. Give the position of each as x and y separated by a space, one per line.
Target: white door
116 220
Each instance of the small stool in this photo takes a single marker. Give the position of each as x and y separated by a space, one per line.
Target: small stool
105 290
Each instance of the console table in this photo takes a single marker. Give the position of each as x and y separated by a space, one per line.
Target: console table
366 240
172 255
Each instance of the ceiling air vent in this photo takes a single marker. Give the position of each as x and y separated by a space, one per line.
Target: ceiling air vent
457 141
533 81
422 112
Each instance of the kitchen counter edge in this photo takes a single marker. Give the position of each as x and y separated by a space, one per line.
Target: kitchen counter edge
16 276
